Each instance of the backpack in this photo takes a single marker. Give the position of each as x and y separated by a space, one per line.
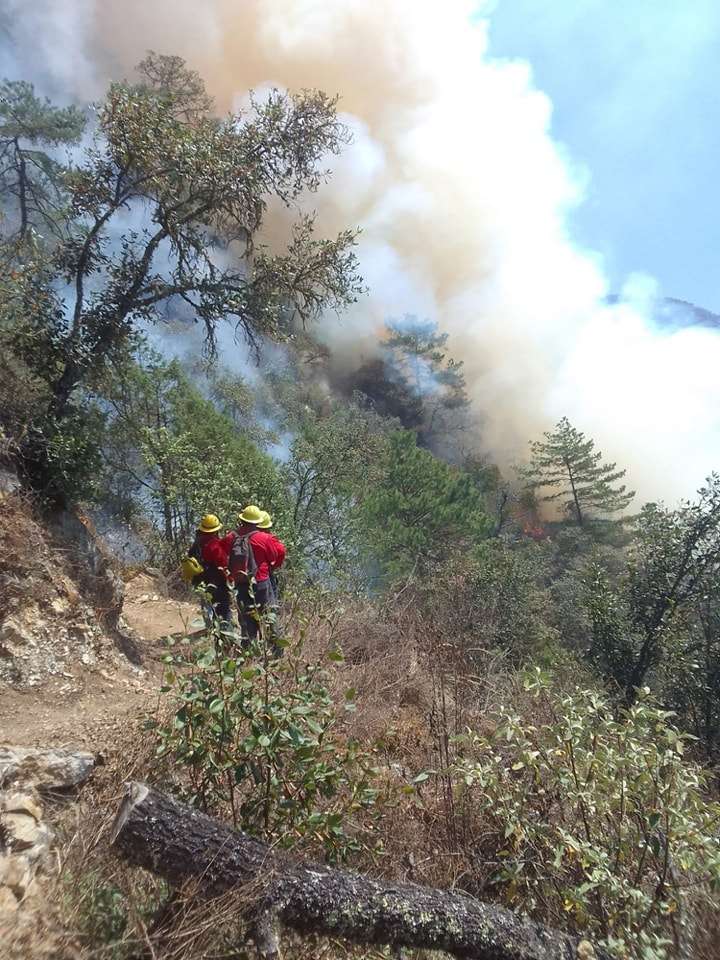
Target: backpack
242 556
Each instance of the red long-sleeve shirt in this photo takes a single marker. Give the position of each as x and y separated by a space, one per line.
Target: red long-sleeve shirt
280 547
216 552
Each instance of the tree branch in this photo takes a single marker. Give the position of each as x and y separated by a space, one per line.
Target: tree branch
156 832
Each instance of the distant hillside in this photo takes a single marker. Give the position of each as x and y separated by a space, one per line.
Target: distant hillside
670 312
680 313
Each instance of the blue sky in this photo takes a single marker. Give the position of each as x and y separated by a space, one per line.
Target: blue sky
635 86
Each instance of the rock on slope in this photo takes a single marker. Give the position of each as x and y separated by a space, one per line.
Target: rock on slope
48 628
27 777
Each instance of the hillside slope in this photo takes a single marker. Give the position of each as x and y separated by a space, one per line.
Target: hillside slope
63 674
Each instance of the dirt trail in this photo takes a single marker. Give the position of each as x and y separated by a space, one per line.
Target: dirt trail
152 615
97 702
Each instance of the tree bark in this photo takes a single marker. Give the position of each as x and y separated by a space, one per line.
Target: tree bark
156 832
581 519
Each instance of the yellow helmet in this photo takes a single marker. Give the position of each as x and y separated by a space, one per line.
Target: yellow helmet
209 524
252 514
266 521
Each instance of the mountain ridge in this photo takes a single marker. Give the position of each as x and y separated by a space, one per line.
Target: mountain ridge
672 312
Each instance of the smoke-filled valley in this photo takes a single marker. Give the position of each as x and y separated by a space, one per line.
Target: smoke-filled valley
363 536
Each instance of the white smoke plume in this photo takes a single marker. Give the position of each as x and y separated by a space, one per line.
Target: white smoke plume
463 199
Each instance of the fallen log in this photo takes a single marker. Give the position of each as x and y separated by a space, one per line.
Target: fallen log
154 831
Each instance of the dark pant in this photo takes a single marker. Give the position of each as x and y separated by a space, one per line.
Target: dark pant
217 605
252 606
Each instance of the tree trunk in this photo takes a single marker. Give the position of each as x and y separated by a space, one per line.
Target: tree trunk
62 390
22 188
578 511
154 831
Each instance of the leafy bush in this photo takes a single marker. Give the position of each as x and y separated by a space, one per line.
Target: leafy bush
508 586
596 818
262 736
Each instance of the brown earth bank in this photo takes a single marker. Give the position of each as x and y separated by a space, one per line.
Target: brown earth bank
66 683
65 673
85 703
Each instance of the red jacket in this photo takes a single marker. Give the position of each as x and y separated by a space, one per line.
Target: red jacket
280 547
268 551
216 552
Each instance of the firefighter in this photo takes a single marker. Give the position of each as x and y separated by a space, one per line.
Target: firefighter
207 566
255 553
266 524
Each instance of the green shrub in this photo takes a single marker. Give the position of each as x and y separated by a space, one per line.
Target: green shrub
596 818
261 736
109 918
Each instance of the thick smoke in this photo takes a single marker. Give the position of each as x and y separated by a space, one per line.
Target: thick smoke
463 199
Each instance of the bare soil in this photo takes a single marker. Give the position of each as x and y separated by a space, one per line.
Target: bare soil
153 615
97 704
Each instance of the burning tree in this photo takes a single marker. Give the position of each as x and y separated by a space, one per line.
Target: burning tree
417 353
566 467
162 215
415 380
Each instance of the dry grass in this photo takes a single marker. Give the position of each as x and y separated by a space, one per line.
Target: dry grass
416 691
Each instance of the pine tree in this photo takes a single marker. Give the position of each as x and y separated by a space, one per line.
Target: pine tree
418 352
420 509
565 466
31 191
416 356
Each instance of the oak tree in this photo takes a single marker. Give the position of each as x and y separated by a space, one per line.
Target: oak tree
672 570
162 217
